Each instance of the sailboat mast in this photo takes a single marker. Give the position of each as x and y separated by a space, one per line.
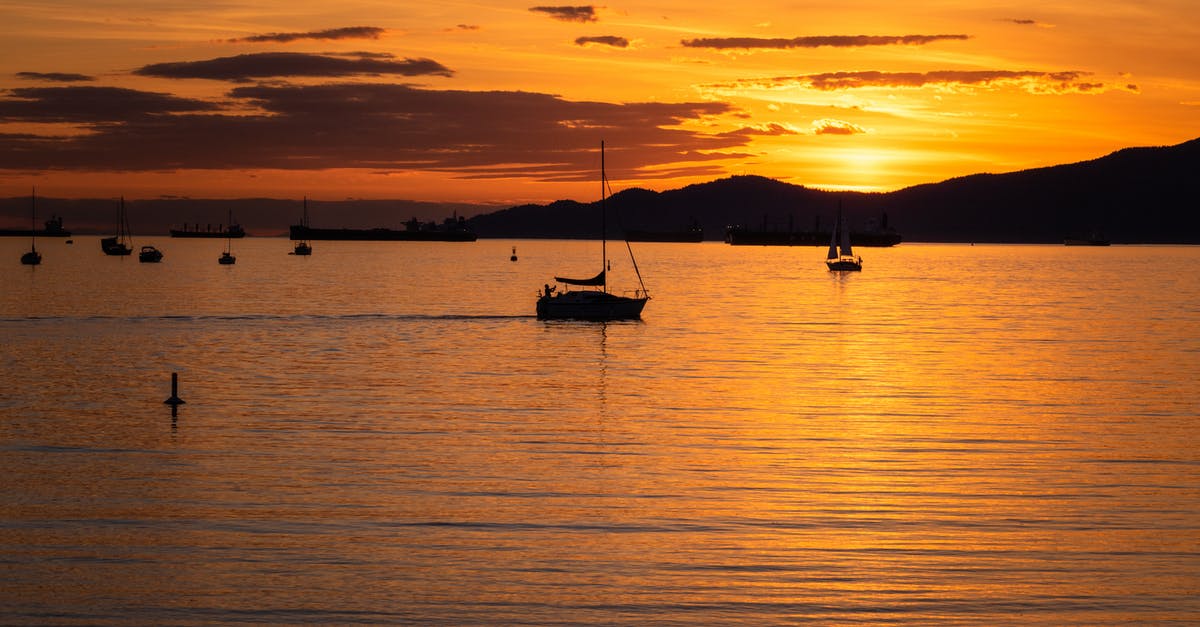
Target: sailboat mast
32 218
603 220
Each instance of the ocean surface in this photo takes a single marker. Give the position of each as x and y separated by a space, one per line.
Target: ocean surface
383 433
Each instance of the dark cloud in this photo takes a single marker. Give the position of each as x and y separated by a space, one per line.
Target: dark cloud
1050 81
245 67
1028 22
379 127
771 129
1033 82
607 40
836 41
836 127
348 32
88 105
569 14
56 77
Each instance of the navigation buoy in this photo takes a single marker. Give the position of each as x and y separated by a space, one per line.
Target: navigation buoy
174 400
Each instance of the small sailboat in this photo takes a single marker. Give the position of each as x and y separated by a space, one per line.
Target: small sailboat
840 257
303 247
227 258
594 304
118 246
33 257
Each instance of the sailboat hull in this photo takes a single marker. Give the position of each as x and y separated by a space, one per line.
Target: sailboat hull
589 305
112 247
844 265
31 258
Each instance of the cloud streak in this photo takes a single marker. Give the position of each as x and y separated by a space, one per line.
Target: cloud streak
606 40
1030 81
835 41
55 77
348 32
568 14
379 127
246 67
92 105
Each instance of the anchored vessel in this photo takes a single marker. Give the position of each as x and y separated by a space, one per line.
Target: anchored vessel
118 246
227 258
303 247
594 304
234 230
33 257
454 229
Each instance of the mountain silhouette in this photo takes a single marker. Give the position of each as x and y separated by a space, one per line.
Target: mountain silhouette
1135 195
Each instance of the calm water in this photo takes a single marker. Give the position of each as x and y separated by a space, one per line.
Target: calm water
383 433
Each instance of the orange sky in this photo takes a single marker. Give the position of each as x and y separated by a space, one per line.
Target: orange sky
507 102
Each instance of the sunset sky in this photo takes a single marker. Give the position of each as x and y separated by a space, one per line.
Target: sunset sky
507 102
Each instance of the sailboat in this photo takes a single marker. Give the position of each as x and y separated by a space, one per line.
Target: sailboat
303 247
227 257
840 257
119 245
594 304
33 257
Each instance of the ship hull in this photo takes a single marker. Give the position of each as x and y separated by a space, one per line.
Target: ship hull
743 237
299 232
589 305
208 234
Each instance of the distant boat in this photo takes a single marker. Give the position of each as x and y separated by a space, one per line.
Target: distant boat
33 257
841 257
227 258
53 228
303 247
150 254
596 304
234 230
514 254
454 229
118 246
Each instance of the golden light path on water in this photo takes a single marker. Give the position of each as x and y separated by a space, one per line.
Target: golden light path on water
384 433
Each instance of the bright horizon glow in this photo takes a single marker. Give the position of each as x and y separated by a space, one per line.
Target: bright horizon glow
463 102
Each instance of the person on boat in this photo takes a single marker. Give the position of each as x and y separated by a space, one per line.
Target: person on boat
549 290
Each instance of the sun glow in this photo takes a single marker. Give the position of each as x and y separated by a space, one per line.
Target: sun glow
855 97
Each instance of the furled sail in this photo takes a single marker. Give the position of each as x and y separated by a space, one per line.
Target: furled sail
592 282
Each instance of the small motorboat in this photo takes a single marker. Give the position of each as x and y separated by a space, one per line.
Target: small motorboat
150 254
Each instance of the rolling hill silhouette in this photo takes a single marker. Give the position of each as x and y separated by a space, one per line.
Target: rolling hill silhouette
1135 195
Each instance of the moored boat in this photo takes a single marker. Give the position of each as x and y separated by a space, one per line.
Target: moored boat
150 254
453 229
594 304
118 246
303 248
194 231
33 257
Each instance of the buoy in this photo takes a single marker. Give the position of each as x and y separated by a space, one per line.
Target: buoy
174 400
514 255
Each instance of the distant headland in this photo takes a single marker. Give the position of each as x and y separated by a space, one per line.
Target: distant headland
1135 195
